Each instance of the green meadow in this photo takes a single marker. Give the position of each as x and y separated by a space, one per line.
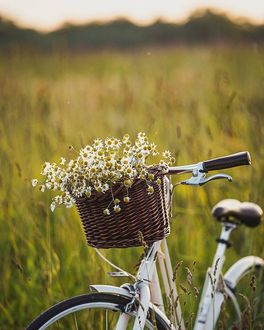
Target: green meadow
198 102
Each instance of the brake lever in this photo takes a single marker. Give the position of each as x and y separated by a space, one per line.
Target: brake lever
216 177
201 179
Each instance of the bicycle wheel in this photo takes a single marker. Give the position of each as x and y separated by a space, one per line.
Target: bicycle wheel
91 311
244 307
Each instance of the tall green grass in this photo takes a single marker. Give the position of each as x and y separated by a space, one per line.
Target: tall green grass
197 102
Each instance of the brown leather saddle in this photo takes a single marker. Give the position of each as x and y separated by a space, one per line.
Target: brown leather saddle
234 211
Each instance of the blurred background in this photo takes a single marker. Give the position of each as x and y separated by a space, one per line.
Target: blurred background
191 77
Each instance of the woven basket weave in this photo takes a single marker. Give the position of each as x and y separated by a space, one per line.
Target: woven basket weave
145 213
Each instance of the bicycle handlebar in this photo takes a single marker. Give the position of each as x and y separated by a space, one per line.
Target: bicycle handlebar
238 159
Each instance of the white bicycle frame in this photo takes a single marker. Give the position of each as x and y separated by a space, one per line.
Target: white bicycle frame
147 291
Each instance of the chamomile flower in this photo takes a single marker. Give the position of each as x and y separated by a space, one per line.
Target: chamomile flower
42 188
106 212
34 182
150 190
126 138
126 199
166 154
63 161
117 208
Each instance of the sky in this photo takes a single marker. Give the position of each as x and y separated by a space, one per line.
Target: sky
50 14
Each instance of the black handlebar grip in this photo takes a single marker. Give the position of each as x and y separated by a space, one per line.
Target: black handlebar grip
238 159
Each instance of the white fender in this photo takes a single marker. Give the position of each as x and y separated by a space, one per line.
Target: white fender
125 293
111 289
240 268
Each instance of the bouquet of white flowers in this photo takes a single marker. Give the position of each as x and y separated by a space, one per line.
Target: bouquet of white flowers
99 167
118 195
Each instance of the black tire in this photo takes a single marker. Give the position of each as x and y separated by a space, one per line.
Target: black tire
94 303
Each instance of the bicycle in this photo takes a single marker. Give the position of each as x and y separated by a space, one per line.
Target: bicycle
140 305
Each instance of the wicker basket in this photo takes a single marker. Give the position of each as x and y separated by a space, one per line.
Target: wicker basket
145 213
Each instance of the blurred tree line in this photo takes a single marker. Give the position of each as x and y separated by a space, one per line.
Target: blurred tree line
202 27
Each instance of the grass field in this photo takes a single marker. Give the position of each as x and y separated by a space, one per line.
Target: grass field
197 102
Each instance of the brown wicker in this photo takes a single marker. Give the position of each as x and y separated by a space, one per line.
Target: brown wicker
145 213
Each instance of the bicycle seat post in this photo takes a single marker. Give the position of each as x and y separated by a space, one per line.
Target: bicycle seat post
223 244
